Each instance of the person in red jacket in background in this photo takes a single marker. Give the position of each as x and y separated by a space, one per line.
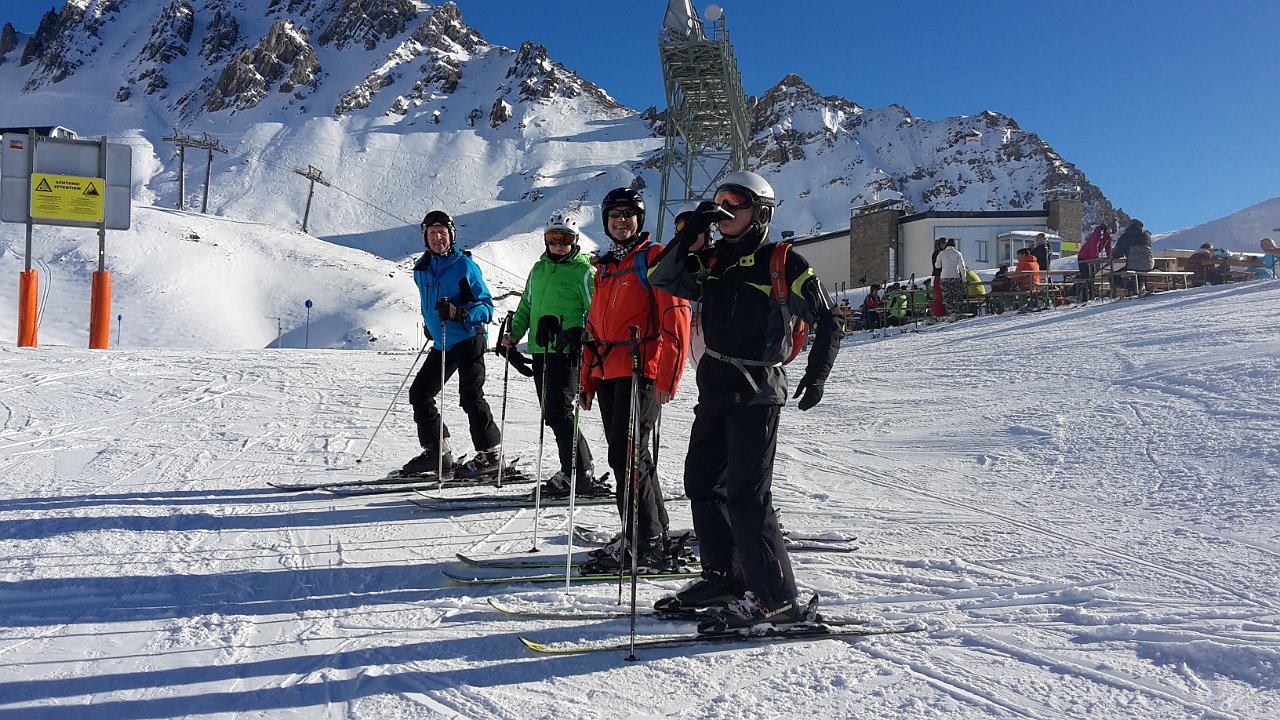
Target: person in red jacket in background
1096 247
623 299
1027 263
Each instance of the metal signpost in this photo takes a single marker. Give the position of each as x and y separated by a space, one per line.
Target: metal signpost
72 183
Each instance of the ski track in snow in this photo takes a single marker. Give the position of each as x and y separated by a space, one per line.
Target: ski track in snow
1078 504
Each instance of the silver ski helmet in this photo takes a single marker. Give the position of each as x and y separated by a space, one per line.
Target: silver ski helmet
622 198
757 189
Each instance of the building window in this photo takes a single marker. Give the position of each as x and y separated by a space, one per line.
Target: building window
984 253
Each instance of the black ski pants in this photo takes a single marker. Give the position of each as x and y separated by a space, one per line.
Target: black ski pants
614 399
728 477
467 359
557 382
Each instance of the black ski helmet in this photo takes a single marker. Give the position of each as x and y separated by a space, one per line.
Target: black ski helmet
439 217
622 197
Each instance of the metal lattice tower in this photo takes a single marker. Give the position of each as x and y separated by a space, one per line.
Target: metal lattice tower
706 128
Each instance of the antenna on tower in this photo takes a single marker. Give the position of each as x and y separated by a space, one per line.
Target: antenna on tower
706 125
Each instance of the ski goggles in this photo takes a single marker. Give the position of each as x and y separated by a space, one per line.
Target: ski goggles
618 214
680 222
559 237
731 199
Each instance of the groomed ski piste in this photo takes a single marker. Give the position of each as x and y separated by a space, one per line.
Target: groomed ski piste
1079 506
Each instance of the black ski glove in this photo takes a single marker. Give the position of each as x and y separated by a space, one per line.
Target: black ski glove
516 358
704 216
548 330
812 391
448 311
570 341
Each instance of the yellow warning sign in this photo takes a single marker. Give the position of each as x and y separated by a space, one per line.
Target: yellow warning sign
66 197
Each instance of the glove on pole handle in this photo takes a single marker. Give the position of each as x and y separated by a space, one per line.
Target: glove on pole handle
393 401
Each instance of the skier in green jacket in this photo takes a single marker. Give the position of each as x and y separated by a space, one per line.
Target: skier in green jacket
552 308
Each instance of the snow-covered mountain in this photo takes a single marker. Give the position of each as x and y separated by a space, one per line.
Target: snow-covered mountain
1238 232
828 153
403 107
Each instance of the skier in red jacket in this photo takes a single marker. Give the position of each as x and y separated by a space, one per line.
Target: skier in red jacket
624 299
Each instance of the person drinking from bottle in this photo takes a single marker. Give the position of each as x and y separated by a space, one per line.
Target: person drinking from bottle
552 310
615 372
728 471
456 306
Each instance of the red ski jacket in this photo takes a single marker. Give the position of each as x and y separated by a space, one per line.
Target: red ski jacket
623 299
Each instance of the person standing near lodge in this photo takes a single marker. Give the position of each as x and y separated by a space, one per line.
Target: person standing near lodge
624 298
953 275
741 389
1040 248
553 305
939 309
456 306
1097 245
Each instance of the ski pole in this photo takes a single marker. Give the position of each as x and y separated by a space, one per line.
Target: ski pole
393 401
548 326
573 465
504 329
444 343
635 480
628 499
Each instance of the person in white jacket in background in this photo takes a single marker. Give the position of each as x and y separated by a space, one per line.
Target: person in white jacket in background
953 279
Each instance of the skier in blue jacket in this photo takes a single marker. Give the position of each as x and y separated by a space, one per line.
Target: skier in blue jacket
456 306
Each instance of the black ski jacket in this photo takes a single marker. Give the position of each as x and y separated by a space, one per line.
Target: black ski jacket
741 320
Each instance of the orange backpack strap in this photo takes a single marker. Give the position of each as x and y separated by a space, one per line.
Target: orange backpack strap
778 273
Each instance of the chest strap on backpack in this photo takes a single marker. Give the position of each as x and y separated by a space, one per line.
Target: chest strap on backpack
741 364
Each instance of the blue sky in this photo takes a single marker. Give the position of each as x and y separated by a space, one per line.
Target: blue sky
1169 106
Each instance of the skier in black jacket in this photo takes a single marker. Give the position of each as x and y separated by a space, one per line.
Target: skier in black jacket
741 390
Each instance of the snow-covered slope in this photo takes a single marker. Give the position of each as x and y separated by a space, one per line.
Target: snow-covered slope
1078 505
189 280
1238 232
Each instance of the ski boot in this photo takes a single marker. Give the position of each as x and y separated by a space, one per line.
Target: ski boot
428 462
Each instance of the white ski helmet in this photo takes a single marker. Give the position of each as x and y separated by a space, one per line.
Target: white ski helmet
756 188
562 223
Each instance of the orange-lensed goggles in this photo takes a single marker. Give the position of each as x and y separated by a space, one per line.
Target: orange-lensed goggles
730 199
559 237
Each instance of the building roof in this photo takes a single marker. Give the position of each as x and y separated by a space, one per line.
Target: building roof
931 214
45 130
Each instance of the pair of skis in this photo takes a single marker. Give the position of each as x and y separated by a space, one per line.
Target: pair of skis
813 627
462 578
397 482
603 496
794 542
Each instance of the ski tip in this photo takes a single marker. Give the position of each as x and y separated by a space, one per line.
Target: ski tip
536 646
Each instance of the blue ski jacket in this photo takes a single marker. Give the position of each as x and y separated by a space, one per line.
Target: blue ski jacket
457 277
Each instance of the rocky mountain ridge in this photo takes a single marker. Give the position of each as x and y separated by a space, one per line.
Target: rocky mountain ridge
251 65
